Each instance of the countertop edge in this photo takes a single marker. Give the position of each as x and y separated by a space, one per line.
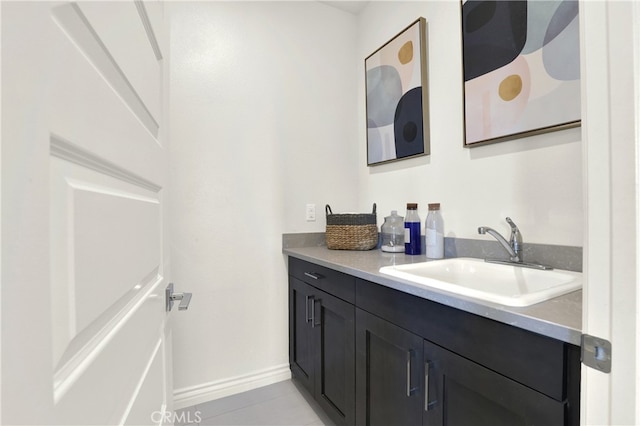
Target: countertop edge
536 318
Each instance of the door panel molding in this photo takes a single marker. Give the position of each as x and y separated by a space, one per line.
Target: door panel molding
148 28
105 247
113 396
78 29
68 151
150 382
86 354
133 54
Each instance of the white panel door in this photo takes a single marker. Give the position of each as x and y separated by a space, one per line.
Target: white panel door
85 335
611 143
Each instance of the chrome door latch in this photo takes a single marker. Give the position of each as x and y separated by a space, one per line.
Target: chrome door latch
170 297
596 353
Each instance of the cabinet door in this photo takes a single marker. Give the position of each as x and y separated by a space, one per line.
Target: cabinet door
322 349
389 373
461 392
334 335
301 342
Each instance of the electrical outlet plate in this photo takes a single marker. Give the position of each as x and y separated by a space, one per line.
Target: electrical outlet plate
311 213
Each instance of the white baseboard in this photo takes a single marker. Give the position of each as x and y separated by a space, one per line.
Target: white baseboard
192 395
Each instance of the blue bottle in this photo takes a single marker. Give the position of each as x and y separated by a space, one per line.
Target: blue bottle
412 230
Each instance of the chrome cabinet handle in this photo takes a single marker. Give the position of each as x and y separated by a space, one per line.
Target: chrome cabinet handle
313 313
410 390
427 404
408 373
312 318
170 297
313 275
306 315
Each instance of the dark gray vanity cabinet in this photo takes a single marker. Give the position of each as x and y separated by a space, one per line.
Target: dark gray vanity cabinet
373 355
321 337
473 370
405 380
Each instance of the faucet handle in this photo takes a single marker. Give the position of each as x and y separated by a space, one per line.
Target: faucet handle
516 236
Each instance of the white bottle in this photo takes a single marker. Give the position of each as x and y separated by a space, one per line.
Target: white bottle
434 233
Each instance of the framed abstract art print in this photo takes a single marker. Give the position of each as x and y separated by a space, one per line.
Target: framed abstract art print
397 97
521 64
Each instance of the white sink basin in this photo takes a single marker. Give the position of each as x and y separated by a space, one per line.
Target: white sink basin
503 284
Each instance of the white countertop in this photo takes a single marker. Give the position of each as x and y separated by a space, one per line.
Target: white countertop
559 318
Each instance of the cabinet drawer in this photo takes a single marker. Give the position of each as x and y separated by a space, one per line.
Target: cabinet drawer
536 361
331 281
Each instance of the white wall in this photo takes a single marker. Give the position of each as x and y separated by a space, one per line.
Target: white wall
263 112
536 181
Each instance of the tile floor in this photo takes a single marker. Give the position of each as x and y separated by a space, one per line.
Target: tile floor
277 404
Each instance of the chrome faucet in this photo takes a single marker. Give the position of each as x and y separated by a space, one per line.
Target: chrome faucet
513 246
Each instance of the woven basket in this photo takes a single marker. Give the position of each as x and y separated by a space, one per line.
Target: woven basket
351 231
